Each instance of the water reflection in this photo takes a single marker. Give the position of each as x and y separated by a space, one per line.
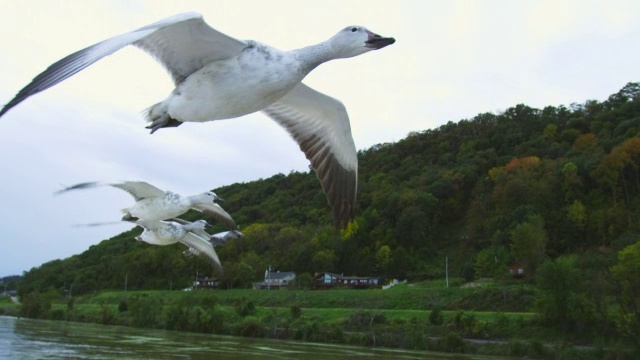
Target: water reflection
42 339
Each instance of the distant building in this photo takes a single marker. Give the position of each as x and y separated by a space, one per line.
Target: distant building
275 280
206 283
327 280
516 270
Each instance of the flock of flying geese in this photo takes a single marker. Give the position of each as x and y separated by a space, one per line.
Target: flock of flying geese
218 77
157 211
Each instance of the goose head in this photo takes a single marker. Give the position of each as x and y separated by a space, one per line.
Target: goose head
356 40
196 225
208 197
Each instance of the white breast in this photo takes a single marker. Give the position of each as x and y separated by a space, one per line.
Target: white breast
236 86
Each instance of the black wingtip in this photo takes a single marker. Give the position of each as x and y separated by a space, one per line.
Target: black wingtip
85 185
10 105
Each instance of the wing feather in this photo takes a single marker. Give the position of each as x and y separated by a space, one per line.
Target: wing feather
218 213
203 247
320 125
139 189
182 43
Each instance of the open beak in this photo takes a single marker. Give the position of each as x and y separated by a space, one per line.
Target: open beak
376 41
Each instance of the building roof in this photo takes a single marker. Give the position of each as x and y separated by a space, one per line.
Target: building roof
278 275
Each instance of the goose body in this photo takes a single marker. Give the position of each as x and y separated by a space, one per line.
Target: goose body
216 240
169 232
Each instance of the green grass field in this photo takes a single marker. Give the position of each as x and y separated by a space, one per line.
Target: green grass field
425 296
402 303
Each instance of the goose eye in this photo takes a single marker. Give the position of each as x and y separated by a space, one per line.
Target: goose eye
354 29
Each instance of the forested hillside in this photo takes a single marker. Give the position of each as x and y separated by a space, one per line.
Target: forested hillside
522 186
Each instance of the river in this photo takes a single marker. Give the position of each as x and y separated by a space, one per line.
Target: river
44 339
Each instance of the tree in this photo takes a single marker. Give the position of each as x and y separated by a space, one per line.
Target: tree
491 262
626 273
577 213
383 256
324 260
528 243
560 302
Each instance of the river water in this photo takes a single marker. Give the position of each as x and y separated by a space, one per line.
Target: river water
43 339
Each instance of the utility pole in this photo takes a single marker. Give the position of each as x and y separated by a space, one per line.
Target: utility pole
269 281
446 269
126 279
196 279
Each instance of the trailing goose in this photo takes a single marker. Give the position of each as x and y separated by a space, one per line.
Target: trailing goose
153 204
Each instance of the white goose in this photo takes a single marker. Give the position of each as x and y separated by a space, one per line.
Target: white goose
219 77
222 238
153 204
218 239
169 232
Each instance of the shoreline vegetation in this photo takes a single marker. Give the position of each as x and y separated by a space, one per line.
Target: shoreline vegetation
484 320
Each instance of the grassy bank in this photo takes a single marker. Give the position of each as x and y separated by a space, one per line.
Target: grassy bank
425 296
482 320
8 307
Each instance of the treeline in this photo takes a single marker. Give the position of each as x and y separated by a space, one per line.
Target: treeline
524 186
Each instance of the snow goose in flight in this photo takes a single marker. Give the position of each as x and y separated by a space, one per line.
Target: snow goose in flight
218 239
218 77
222 238
153 204
170 232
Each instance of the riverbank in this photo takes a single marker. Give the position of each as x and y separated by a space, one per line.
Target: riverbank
406 317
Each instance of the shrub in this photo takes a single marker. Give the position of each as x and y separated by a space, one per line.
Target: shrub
71 303
208 300
245 307
123 306
35 305
144 311
296 311
361 319
176 318
451 343
106 316
251 327
57 314
435 317
305 329
517 348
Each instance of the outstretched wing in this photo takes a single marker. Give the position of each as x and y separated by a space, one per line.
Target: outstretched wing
214 210
186 46
320 125
203 247
80 186
139 189
181 43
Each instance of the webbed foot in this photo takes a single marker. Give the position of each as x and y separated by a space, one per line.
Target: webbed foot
162 122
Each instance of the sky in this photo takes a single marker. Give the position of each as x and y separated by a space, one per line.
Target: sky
452 60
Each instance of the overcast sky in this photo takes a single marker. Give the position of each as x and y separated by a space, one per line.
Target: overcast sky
452 60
